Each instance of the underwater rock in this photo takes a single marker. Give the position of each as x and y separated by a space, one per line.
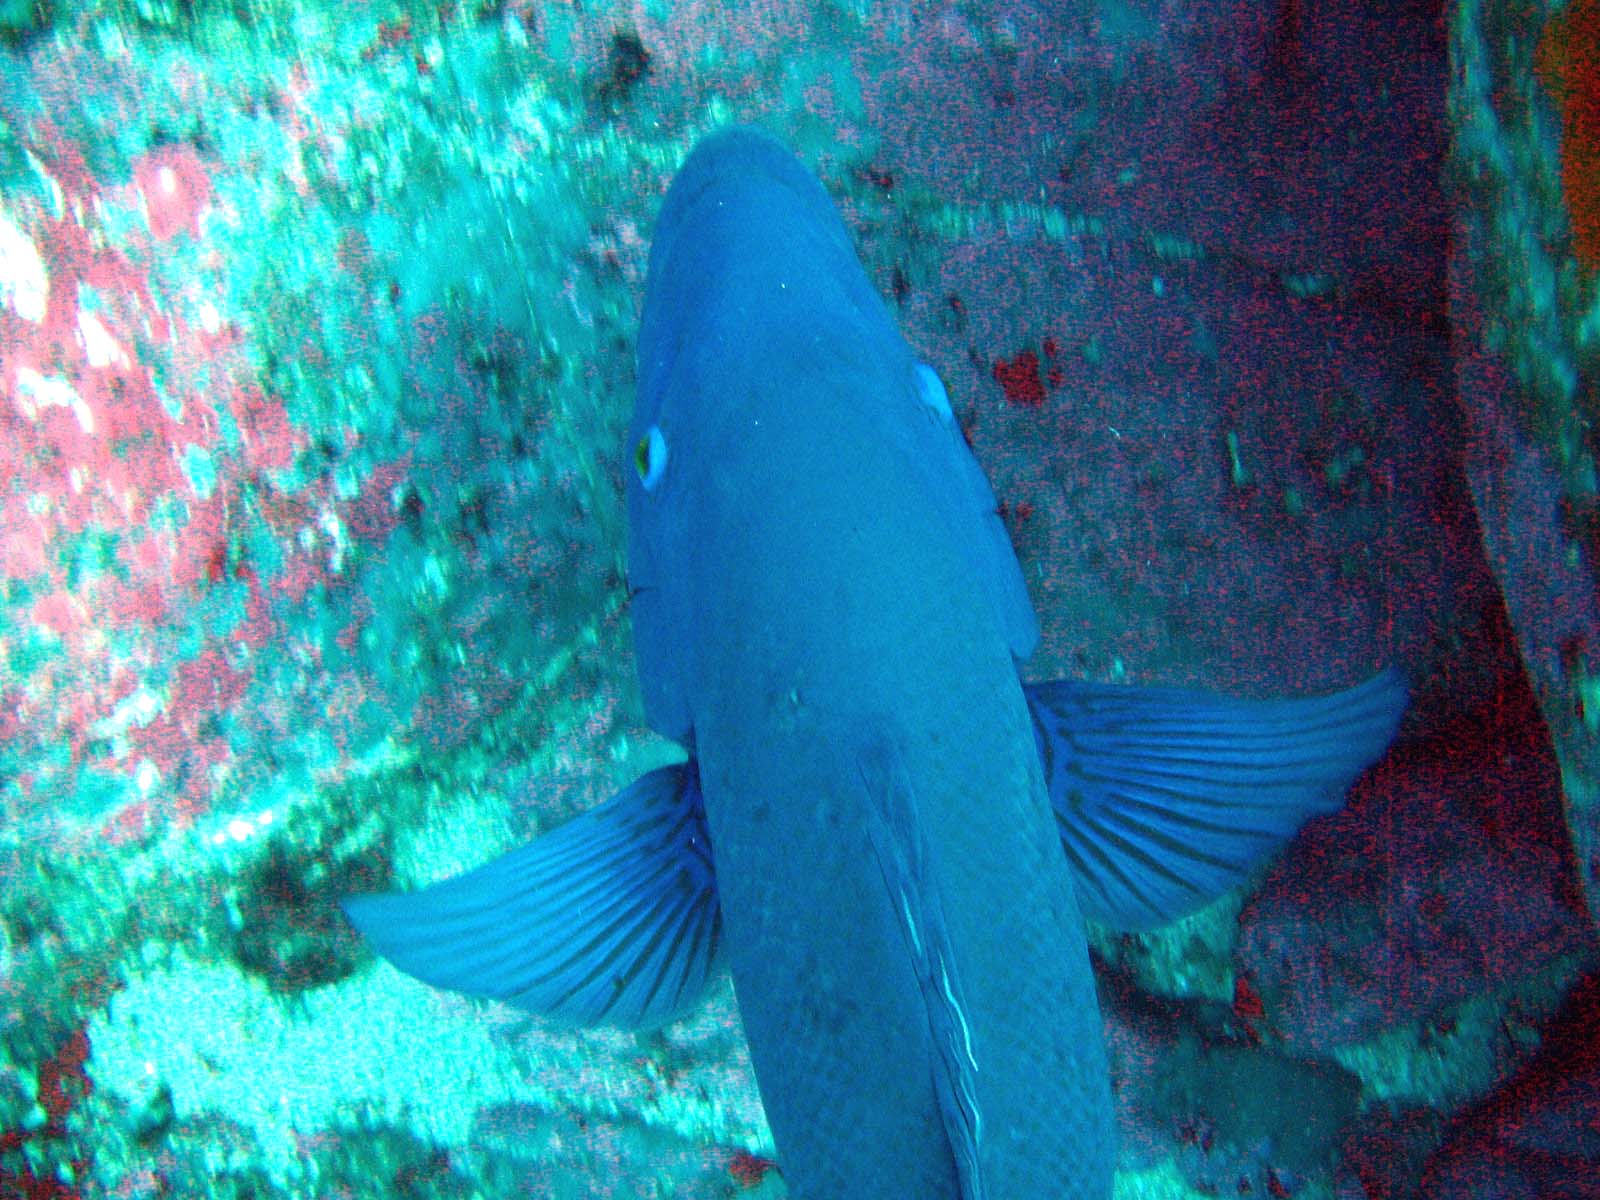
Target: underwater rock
1520 261
1235 1118
1538 1134
1383 1153
1448 871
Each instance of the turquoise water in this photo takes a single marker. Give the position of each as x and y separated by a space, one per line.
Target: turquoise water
316 359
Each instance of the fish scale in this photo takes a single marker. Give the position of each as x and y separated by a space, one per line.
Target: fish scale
893 700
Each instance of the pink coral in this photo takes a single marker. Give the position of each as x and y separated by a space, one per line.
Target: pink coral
176 188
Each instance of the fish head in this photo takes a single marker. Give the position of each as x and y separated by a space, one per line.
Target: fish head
799 489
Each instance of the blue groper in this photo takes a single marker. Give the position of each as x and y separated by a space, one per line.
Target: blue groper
891 840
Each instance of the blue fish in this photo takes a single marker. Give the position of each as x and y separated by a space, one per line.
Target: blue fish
890 839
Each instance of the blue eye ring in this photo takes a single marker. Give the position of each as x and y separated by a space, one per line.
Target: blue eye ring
650 458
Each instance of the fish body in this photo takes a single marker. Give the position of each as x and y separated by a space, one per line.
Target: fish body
880 828
849 667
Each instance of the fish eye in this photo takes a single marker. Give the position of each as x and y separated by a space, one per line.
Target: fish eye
650 458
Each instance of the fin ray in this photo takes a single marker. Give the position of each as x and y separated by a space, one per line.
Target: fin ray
611 918
1166 797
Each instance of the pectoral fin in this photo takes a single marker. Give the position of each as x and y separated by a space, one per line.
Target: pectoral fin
1165 798
611 918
